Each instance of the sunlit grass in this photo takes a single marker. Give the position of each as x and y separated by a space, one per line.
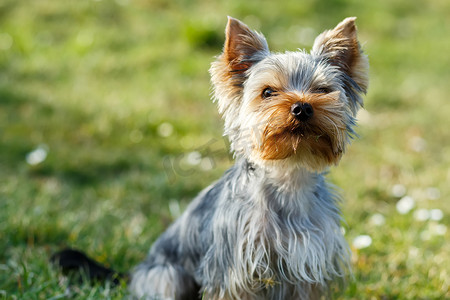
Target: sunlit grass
98 98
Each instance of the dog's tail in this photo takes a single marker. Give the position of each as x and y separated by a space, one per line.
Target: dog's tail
72 261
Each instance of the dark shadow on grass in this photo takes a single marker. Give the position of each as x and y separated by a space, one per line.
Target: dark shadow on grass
32 235
73 156
84 161
83 175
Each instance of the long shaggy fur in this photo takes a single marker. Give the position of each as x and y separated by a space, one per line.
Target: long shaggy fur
270 227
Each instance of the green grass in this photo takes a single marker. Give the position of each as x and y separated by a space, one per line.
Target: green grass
91 82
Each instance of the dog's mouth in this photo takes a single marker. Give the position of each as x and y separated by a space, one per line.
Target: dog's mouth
294 141
314 143
304 131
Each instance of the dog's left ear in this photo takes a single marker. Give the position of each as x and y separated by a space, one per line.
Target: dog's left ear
341 47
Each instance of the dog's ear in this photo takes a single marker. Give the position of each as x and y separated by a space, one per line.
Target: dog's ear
341 47
242 46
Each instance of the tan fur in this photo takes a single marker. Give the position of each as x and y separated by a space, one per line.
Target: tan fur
241 42
324 136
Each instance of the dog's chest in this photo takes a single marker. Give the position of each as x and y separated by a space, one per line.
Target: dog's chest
272 239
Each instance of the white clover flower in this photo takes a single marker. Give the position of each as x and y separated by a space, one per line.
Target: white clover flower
362 241
193 158
405 204
433 230
421 214
438 229
37 156
377 220
436 214
398 190
165 129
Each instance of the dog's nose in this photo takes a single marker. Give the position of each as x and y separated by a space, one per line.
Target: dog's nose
302 111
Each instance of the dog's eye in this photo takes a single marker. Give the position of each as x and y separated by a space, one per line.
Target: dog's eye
268 92
322 90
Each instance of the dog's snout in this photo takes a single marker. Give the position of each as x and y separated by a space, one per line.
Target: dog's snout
302 111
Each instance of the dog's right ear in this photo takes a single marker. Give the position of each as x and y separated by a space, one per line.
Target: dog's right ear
242 46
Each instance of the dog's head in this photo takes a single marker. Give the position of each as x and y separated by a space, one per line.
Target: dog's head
295 106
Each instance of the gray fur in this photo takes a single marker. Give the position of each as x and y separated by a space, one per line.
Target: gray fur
248 230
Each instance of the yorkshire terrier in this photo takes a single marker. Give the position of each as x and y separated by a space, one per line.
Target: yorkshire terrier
270 227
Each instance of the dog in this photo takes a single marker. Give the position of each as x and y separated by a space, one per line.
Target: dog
270 227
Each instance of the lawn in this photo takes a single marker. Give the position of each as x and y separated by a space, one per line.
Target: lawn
107 131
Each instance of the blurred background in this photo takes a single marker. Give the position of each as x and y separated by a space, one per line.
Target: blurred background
107 131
